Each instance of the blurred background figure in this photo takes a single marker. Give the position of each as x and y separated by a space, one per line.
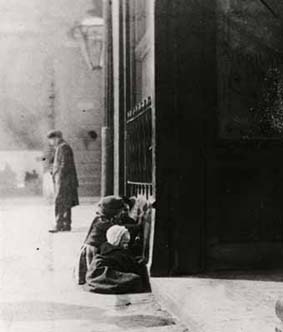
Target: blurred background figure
32 182
48 185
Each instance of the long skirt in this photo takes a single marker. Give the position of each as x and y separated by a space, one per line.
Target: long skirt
86 255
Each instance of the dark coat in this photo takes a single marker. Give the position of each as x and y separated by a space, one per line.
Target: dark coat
136 231
97 232
65 176
95 237
116 271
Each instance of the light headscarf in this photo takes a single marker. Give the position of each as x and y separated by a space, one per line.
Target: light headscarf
116 233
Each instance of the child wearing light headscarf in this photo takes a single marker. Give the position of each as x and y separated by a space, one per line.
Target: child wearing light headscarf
109 210
118 236
108 214
115 270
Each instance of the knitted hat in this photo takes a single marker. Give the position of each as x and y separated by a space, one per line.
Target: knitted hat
116 233
111 205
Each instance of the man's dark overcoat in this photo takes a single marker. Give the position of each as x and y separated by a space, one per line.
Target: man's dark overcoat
65 176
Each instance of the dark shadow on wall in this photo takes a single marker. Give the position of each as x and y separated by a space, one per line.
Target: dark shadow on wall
253 275
97 8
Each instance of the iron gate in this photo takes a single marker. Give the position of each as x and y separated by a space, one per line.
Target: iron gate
139 150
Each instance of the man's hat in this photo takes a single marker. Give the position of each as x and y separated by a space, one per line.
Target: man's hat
55 134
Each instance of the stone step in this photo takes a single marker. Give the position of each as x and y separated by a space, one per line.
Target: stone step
85 180
87 157
169 328
88 169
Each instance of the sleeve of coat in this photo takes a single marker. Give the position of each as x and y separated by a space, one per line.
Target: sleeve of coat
63 159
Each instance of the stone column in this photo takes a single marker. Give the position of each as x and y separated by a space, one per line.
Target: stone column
107 166
106 162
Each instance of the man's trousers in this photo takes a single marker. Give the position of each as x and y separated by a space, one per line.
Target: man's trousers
63 217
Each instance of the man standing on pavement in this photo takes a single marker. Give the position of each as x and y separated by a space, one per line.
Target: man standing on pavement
65 181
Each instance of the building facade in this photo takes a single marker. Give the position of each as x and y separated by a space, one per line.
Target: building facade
46 83
194 113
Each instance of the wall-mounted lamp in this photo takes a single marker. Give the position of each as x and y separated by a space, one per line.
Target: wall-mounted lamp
89 33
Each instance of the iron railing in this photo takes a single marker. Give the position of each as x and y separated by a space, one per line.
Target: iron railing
139 150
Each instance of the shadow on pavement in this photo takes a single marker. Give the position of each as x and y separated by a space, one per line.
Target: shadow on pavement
46 311
40 311
136 321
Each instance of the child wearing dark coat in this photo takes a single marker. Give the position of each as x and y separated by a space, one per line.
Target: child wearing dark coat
109 212
115 270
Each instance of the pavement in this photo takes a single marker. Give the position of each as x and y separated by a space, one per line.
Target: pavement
37 290
226 302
